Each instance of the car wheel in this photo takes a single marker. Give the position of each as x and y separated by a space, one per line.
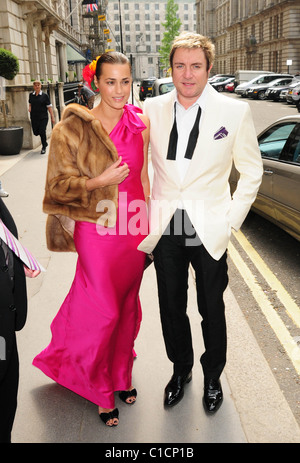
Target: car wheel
221 88
261 95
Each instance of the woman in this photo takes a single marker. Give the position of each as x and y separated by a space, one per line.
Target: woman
97 172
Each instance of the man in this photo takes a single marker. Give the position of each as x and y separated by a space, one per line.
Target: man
39 106
192 212
13 310
86 96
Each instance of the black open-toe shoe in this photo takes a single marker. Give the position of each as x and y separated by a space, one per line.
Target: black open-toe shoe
124 395
105 417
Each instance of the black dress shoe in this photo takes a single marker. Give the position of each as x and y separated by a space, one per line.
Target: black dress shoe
175 389
213 395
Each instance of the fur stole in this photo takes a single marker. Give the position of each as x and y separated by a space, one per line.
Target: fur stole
80 149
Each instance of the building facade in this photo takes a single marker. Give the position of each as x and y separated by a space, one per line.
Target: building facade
252 34
50 42
135 27
46 36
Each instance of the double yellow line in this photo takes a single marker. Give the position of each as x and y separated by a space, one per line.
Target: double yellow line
293 311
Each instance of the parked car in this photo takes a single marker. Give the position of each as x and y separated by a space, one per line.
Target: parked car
146 88
273 93
230 87
242 89
220 85
293 94
162 86
258 92
218 76
278 198
282 95
243 75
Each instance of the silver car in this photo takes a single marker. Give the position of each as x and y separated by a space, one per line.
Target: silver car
243 88
162 86
293 94
278 199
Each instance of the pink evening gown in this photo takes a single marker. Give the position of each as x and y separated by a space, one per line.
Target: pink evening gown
91 350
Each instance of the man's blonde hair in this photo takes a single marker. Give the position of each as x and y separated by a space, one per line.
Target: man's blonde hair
192 40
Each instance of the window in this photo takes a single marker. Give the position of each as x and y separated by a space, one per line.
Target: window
291 152
273 141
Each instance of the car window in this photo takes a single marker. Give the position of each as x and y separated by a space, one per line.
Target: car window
282 82
296 156
266 79
291 152
272 142
165 88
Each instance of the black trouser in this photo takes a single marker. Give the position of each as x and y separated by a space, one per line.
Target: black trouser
39 127
172 256
8 395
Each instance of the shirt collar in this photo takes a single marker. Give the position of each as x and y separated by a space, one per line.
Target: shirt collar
200 102
39 93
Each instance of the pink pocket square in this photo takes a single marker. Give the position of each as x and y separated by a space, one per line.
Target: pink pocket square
221 133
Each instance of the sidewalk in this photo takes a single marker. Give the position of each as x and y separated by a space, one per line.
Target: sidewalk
254 409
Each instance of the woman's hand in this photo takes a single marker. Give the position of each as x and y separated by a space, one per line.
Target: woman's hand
113 175
31 273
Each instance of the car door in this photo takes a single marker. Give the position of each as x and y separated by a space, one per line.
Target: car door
271 144
286 184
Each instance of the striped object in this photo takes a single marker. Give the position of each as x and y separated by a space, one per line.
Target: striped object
91 7
19 250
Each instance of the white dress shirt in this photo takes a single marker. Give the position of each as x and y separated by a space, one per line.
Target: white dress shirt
185 119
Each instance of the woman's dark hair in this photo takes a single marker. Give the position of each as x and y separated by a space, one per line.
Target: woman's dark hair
113 57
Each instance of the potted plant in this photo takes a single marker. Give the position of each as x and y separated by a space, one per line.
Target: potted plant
11 138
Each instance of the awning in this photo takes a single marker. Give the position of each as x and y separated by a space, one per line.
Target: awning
75 56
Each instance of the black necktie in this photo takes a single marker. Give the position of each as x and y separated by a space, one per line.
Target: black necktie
192 139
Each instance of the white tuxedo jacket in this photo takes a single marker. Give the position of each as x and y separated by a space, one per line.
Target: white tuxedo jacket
204 191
